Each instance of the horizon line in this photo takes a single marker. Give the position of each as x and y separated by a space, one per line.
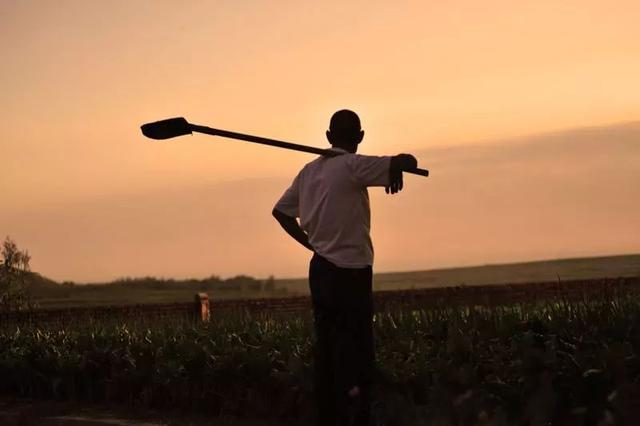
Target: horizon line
384 272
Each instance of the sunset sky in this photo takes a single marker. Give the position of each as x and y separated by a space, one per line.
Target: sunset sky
526 113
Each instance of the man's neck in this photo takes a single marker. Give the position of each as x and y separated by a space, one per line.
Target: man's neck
349 148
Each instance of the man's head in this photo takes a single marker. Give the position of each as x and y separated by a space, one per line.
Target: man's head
344 130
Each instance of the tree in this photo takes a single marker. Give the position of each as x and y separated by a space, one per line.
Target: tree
14 271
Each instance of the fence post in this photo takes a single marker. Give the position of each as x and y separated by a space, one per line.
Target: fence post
202 307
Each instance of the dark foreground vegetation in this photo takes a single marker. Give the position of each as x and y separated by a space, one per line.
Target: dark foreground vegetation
561 362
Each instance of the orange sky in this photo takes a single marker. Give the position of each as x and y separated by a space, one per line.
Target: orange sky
78 78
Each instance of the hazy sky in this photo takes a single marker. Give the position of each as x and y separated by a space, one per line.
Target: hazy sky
461 83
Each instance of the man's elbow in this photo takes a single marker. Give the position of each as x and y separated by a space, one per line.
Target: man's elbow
280 217
277 214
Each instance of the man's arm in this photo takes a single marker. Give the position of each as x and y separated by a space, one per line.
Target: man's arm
398 164
292 227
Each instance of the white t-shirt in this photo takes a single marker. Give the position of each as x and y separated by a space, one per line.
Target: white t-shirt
330 197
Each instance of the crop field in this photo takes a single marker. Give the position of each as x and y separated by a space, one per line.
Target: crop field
491 355
564 362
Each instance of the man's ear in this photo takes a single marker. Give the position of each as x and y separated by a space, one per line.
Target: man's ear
360 137
328 133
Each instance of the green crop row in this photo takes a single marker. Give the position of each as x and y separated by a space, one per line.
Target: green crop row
560 362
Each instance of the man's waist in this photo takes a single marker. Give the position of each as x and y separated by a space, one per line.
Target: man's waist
344 259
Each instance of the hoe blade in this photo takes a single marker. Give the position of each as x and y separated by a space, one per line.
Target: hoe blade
166 129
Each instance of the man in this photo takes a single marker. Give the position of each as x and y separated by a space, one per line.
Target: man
330 197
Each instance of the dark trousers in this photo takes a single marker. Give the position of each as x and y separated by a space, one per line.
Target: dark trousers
344 350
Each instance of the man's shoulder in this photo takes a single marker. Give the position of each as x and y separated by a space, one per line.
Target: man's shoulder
349 160
316 164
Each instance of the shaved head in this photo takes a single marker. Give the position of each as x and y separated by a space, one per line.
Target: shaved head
344 121
344 129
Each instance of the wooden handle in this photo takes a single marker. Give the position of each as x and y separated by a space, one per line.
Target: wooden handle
279 144
421 172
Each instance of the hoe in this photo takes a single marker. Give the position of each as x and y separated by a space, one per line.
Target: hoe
172 127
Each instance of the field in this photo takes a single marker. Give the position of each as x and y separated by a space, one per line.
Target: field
562 361
151 290
568 363
50 294
514 273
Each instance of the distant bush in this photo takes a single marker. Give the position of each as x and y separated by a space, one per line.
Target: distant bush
270 284
212 283
14 271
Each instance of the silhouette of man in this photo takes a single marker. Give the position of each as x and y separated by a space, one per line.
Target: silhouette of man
329 196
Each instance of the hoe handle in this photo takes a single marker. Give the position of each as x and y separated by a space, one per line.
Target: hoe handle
261 140
280 144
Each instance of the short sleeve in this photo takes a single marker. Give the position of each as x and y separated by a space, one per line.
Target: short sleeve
288 203
370 170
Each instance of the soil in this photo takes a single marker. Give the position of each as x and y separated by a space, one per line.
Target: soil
29 412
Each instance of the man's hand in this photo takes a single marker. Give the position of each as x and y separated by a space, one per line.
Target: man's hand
399 163
395 182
